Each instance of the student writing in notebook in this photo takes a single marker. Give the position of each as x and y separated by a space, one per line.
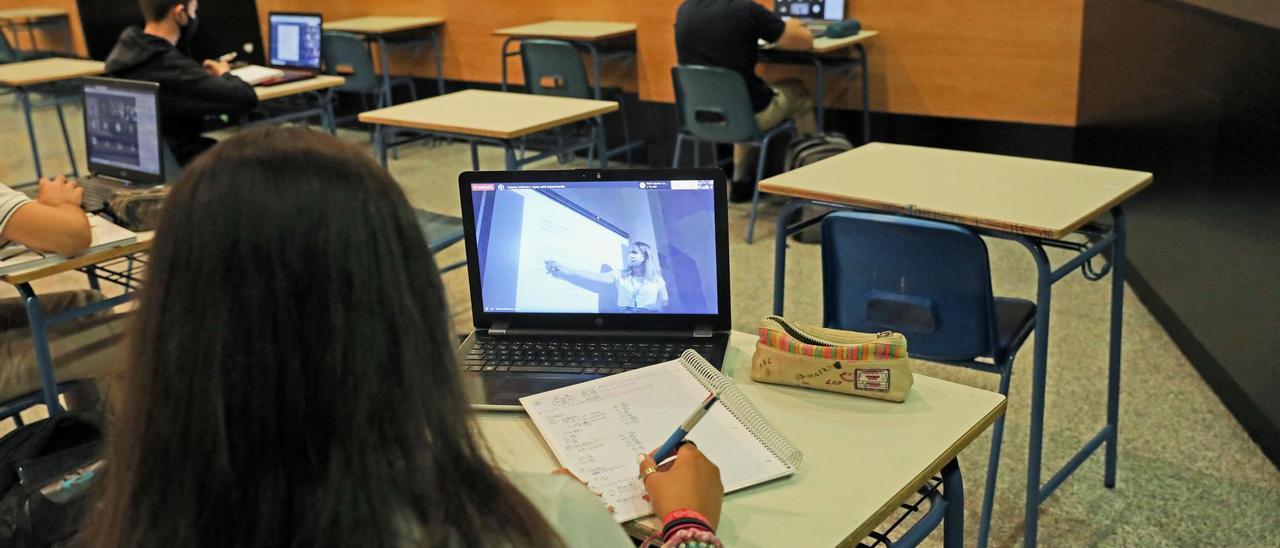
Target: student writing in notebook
88 348
292 379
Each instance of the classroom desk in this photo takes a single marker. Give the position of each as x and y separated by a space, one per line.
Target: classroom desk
322 86
1036 203
478 116
25 75
378 28
602 40
862 457
36 18
116 265
824 60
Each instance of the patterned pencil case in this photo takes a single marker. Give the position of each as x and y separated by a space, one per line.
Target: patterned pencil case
874 365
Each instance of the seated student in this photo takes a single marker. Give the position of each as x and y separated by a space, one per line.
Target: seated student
88 348
724 33
293 383
188 90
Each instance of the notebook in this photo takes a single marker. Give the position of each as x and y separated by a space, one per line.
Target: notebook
106 235
596 428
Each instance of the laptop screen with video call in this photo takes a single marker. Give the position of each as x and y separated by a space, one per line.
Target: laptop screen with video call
608 247
830 10
295 40
122 129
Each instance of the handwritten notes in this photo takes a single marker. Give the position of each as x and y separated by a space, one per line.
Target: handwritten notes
597 428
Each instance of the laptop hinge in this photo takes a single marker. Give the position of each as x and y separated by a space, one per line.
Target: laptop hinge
498 328
702 332
110 178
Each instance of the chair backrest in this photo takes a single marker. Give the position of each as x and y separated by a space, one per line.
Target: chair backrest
554 67
7 53
346 50
928 280
713 104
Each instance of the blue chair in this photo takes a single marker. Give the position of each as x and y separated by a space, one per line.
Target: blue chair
441 231
715 108
554 67
930 281
346 51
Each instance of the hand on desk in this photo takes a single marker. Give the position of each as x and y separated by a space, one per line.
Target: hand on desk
59 192
690 481
216 68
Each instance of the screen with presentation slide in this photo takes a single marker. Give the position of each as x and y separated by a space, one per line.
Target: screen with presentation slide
609 247
295 40
831 10
121 128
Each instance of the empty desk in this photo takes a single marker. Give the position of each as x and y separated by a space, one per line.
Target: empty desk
405 31
23 76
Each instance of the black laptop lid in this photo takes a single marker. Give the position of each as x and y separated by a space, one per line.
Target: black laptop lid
122 129
590 249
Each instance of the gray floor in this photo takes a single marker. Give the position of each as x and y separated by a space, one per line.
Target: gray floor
1188 473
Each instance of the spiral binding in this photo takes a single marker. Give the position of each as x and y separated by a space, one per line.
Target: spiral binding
737 404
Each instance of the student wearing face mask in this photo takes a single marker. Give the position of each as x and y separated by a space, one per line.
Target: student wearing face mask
189 89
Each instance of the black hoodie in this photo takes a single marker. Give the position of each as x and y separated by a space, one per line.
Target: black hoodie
187 92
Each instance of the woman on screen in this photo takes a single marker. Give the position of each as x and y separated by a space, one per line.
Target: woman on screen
641 288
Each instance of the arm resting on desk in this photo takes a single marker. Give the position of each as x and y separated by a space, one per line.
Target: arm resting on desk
61 229
795 37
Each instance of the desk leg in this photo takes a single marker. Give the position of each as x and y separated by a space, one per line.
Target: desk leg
780 254
475 156
1044 291
40 341
66 140
953 490
512 164
1117 325
819 94
328 118
25 100
602 148
439 56
866 94
380 145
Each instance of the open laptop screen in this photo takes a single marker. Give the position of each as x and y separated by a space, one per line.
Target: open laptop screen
295 40
609 247
830 10
122 129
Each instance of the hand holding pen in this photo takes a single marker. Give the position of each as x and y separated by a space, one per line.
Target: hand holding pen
690 480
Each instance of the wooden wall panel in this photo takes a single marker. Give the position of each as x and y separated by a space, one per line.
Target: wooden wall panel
1005 60
56 40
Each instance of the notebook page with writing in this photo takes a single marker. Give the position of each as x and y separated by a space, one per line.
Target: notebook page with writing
596 428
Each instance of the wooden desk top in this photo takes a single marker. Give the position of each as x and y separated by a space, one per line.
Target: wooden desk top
501 115
323 81
588 31
1003 193
377 24
27 14
23 276
861 456
43 71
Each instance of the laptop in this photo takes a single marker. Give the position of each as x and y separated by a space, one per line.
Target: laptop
122 138
293 50
581 274
816 15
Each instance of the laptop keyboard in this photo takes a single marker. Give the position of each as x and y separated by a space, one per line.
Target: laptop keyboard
567 355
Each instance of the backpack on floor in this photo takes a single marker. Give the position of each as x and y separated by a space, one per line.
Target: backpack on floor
806 151
46 471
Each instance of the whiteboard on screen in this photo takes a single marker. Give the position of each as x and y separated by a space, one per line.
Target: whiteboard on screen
552 231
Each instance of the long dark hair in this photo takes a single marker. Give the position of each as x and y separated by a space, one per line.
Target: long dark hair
293 380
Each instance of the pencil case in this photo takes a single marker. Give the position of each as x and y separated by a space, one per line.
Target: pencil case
874 365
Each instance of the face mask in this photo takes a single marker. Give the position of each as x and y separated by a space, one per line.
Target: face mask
189 29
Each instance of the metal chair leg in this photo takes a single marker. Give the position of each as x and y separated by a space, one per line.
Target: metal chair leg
675 160
993 462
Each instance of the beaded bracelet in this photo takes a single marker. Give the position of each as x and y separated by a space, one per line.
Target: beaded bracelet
693 538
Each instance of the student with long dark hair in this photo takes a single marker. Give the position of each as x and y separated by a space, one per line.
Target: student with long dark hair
293 381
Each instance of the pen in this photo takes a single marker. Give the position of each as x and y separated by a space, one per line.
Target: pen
668 447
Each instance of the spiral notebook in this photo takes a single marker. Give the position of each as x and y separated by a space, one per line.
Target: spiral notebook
596 428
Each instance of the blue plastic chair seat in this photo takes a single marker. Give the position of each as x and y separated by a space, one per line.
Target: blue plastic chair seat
441 231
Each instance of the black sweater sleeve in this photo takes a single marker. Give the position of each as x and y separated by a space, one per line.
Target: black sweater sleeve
204 93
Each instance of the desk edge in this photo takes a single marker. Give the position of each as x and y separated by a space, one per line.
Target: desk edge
27 276
486 133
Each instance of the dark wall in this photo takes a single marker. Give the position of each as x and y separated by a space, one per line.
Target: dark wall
1193 96
225 26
